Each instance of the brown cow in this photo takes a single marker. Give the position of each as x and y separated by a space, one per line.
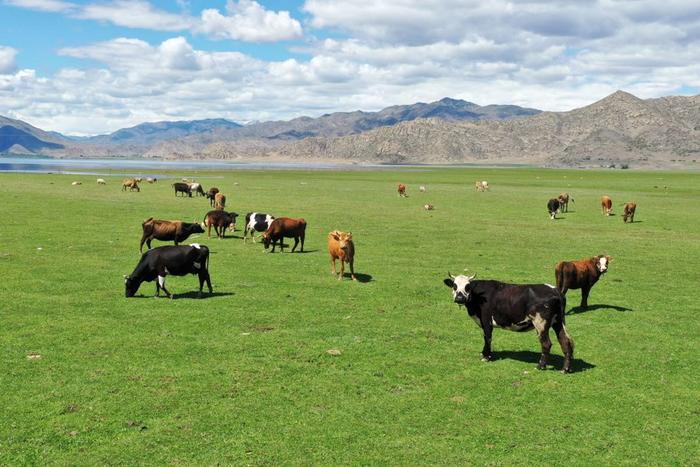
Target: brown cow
219 201
285 227
428 207
131 184
402 190
341 246
606 205
628 212
564 199
211 194
220 220
582 274
167 230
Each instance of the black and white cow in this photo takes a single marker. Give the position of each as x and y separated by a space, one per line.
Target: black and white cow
517 308
552 207
256 222
176 260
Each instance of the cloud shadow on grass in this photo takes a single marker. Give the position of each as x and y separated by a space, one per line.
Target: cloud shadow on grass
554 360
601 306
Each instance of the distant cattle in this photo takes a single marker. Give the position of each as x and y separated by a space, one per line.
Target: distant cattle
151 180
582 274
517 308
197 189
211 194
176 260
219 201
564 199
131 184
76 183
101 181
481 185
220 220
256 222
428 207
341 246
402 190
138 179
158 229
553 207
421 189
285 227
184 188
628 212
606 205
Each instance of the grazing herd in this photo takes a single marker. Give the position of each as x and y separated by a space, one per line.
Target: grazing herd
490 303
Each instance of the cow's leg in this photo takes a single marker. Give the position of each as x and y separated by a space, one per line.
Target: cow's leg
542 328
209 231
342 269
143 240
296 242
487 326
584 296
352 268
161 283
223 231
148 243
303 236
334 272
566 343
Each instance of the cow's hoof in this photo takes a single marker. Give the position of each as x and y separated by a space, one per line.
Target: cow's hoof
354 278
486 359
541 367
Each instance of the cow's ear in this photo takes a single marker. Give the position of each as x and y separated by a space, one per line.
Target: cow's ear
609 258
449 283
335 235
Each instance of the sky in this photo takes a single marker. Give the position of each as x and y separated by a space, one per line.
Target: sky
92 67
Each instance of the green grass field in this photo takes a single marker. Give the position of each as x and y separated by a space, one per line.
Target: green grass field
243 377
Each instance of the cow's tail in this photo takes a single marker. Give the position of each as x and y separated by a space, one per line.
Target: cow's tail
559 276
572 200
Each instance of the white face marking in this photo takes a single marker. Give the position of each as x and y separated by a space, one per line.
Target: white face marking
461 282
161 281
603 264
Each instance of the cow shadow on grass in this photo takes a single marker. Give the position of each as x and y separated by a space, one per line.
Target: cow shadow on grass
555 362
191 294
601 306
362 278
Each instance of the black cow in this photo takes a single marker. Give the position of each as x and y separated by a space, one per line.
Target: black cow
553 206
182 188
256 222
176 260
516 307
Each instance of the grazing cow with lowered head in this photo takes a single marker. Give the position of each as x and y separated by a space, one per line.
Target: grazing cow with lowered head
176 260
165 231
341 246
428 207
220 220
101 181
582 274
606 205
211 194
197 189
553 207
184 188
285 227
628 212
219 201
256 222
517 308
564 199
481 185
151 180
421 189
131 184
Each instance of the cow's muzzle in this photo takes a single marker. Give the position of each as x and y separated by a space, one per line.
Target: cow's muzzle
461 299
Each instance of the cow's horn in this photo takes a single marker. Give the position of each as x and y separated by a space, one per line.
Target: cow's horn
124 276
472 276
450 275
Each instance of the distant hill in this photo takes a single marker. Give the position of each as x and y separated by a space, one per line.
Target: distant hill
17 137
151 133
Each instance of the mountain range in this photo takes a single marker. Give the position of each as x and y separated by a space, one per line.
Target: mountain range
620 128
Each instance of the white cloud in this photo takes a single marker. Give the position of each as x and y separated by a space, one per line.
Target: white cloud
7 59
135 14
247 20
42 5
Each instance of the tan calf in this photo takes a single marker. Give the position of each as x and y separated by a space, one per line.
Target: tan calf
606 205
340 246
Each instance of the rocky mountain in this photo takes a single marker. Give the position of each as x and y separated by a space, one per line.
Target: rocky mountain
19 137
619 129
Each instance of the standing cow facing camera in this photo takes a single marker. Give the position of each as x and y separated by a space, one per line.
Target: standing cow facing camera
581 274
517 308
606 205
552 207
341 246
628 212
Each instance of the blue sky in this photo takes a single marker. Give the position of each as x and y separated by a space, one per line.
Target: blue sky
87 67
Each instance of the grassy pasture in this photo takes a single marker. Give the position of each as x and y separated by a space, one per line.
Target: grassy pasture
243 377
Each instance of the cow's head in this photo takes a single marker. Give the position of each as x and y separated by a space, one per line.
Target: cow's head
232 225
460 286
266 240
342 238
602 262
131 286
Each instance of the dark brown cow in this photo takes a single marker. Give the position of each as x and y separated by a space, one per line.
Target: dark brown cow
402 190
211 194
285 227
220 220
582 274
628 212
564 199
606 205
167 230
183 188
